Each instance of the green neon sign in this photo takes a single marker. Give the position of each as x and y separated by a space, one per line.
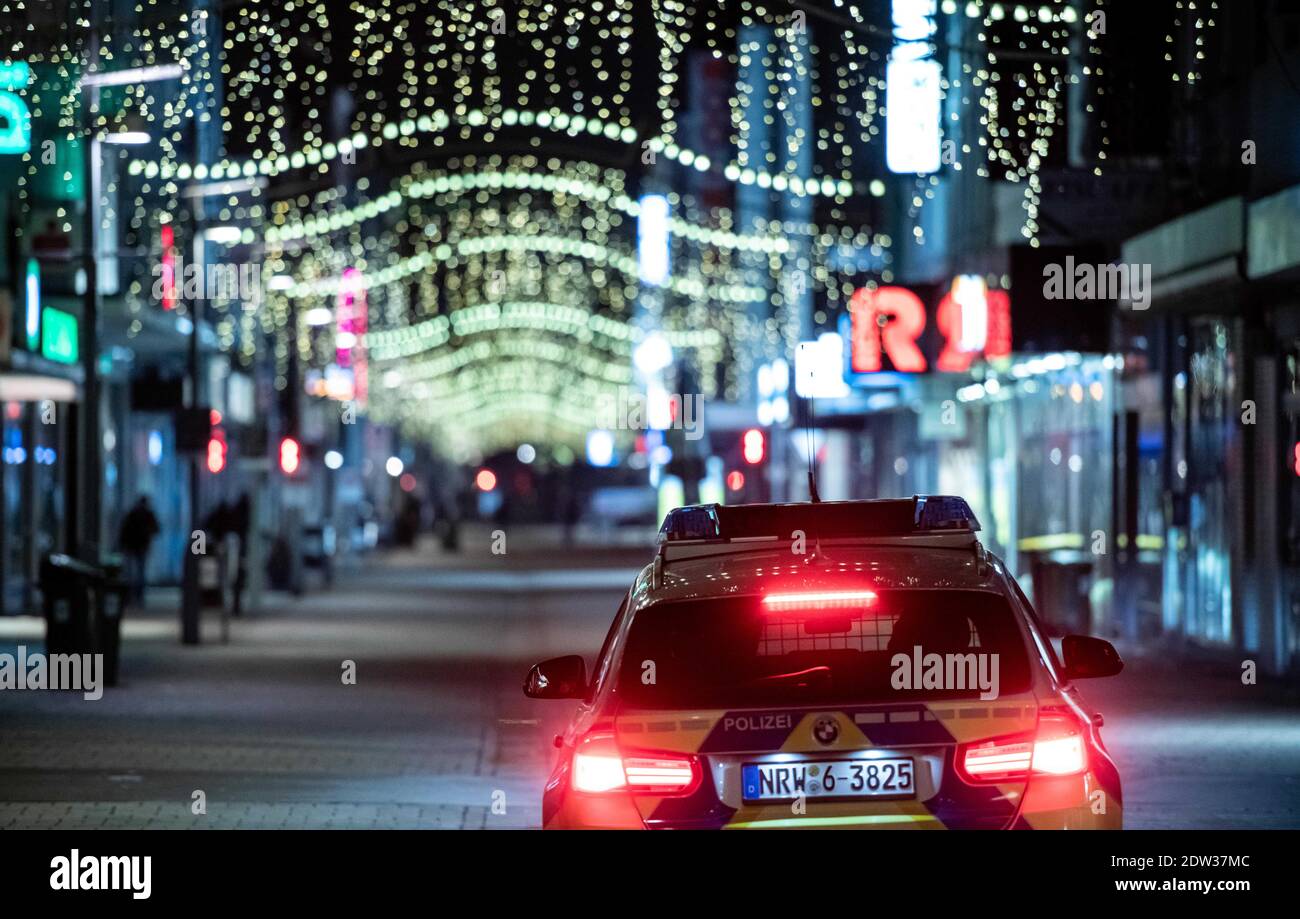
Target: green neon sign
32 304
15 120
60 340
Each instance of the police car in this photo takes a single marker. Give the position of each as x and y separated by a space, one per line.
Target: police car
851 664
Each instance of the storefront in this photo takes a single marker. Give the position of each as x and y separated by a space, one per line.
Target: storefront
37 441
1216 339
1273 451
1027 437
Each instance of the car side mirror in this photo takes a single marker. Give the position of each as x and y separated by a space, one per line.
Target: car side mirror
1089 657
557 678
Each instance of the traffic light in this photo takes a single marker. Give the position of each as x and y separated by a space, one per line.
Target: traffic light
746 458
290 456
216 443
217 451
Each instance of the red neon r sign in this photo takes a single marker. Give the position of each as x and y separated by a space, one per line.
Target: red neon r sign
888 318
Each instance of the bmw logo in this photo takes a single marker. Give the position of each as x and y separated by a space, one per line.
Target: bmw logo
826 730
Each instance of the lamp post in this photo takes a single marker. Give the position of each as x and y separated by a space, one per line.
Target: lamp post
85 520
191 600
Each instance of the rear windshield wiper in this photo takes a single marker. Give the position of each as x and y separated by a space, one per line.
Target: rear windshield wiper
812 678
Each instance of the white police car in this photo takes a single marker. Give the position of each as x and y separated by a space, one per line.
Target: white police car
859 664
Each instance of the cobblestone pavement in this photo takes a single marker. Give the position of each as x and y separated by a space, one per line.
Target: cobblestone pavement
436 730
435 733
1198 748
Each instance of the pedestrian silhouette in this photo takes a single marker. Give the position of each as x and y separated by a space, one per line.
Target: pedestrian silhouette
134 538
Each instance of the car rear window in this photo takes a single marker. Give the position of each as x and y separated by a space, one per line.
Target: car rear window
730 653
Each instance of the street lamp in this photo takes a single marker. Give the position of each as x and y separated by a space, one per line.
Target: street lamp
85 518
153 74
125 137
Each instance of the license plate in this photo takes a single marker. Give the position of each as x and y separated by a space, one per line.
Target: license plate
842 778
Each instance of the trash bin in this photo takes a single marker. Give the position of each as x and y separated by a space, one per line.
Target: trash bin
68 588
318 541
212 569
114 592
1061 585
83 609
279 565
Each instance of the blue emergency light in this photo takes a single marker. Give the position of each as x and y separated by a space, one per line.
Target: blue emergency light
913 516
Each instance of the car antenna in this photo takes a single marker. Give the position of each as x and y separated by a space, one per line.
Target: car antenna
817 557
809 419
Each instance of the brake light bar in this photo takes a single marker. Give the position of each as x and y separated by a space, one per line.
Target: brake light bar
599 767
993 761
817 600
658 774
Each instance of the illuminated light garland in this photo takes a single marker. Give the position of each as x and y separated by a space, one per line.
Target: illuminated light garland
439 122
515 181
532 315
548 358
494 406
507 364
554 245
507 386
269 64
1029 96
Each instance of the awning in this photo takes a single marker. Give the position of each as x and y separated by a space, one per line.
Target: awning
1196 259
37 387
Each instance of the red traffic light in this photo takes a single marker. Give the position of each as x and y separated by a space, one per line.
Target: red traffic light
290 455
217 451
754 446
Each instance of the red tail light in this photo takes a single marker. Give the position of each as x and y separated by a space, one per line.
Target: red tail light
995 760
599 767
1058 747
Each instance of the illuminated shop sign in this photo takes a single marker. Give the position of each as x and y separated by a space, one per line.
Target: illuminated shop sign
973 322
15 120
912 98
913 90
335 382
819 368
351 316
891 329
167 238
32 304
652 234
59 336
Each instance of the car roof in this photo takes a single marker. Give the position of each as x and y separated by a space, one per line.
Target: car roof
756 570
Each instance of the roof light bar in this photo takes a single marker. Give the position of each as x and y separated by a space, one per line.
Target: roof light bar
696 522
919 515
826 599
944 512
